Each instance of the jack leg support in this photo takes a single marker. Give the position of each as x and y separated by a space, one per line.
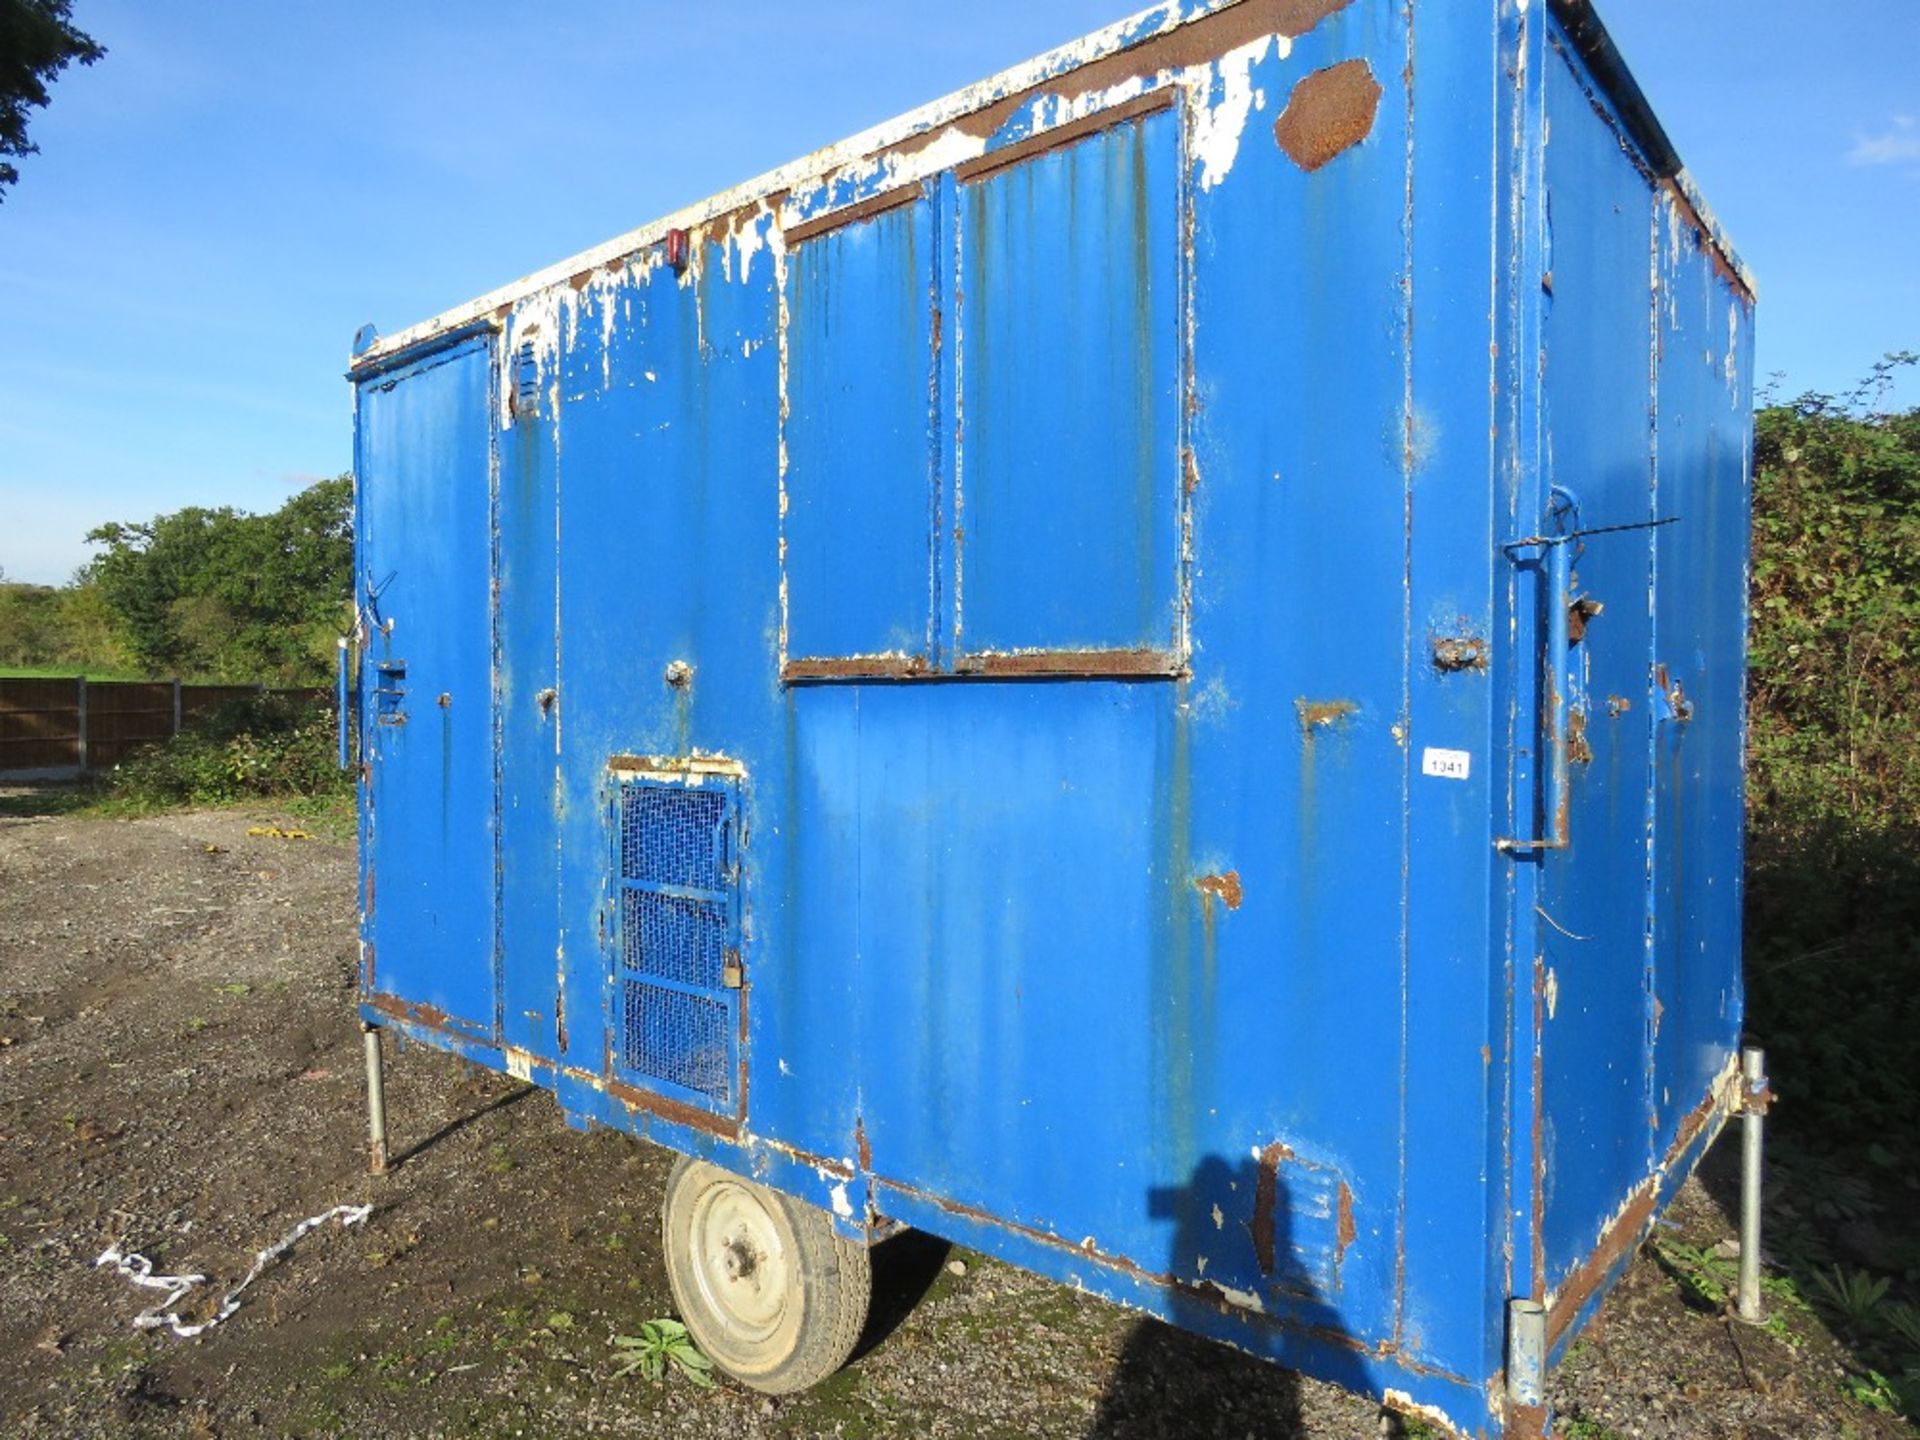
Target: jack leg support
376 1102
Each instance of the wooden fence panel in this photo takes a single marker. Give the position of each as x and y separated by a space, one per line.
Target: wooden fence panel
39 724
64 725
123 715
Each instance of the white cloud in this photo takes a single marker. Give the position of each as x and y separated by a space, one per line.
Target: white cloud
1898 146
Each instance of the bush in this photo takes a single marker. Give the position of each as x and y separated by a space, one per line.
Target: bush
261 747
1833 898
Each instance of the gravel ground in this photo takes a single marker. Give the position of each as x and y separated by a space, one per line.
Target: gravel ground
180 1075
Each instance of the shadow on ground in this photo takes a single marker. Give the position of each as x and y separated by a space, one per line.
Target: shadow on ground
33 800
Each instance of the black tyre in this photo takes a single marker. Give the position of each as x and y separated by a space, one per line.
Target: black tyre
767 1287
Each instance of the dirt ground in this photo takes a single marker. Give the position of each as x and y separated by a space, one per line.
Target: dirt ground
180 1074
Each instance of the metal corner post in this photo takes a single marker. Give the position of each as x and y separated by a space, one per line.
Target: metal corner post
1526 1369
1754 1099
80 726
376 1101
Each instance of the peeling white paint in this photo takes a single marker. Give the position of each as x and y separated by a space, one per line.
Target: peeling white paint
1732 366
1215 137
1553 993
1401 1401
1219 1219
1241 1299
811 171
837 1195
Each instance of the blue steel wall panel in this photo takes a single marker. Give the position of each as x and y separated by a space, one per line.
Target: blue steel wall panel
1454 1009
1290 766
669 482
1705 328
1069 353
427 705
860 439
1598 384
526 570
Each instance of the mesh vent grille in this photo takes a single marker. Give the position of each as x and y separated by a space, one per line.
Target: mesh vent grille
677 1037
671 835
673 938
677 914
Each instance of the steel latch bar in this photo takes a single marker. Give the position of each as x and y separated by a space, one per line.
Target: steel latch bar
1555 697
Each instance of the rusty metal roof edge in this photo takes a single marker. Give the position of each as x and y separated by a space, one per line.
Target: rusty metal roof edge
1156 20
1716 232
1591 39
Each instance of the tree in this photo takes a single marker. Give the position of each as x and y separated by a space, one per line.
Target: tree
37 41
227 595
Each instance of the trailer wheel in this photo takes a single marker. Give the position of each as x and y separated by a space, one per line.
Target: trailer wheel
772 1293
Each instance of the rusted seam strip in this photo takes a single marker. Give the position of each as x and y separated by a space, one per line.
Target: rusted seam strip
676 1111
1071 133
1625 1232
675 765
1205 1293
868 209
1156 664
856 667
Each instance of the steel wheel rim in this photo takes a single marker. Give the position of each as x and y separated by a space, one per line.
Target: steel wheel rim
742 1266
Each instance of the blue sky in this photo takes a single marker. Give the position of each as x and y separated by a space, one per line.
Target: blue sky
237 186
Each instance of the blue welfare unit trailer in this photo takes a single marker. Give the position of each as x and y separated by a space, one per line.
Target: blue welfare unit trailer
1141 668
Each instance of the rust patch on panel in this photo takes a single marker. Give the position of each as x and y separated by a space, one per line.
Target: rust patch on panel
1579 751
1226 886
1578 614
691 1116
1266 1197
1453 653
862 1146
420 1014
1062 135
1329 112
1320 714
1346 1230
1199 42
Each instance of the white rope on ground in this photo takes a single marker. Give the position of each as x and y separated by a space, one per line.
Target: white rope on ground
139 1270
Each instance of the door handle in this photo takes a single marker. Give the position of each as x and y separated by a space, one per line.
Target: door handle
1556 695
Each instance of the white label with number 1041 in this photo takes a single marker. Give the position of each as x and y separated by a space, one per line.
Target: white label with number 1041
1447 764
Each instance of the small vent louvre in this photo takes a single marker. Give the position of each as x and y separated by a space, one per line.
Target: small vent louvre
525 391
678 911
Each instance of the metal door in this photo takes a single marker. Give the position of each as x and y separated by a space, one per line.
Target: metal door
424 462
1591 975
